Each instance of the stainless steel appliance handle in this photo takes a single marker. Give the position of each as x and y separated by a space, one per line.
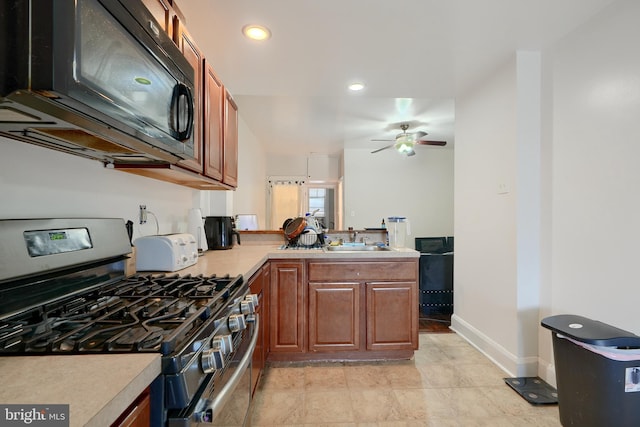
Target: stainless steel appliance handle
215 406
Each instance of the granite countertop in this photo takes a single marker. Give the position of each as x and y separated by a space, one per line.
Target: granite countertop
247 259
99 388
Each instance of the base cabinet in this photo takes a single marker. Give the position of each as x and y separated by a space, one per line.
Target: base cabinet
334 316
347 309
259 285
391 324
138 414
287 307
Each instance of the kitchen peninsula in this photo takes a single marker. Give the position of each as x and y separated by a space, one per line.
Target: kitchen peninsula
371 297
326 305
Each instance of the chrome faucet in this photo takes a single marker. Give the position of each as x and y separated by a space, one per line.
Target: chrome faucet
352 236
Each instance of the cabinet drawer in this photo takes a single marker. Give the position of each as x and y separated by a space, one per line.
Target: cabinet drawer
363 270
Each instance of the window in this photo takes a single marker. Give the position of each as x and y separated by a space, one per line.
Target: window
290 197
322 205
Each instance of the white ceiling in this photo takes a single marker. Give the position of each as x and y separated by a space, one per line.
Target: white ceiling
413 55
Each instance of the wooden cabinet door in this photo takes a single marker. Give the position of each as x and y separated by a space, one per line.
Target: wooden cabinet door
392 318
256 287
163 13
193 54
213 126
334 316
265 271
138 414
230 170
286 307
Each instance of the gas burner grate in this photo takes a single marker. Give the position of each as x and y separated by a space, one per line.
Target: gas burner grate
299 246
143 313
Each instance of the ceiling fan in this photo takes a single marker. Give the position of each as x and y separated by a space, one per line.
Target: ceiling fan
405 141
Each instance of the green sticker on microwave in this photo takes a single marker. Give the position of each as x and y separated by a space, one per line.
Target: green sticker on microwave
143 80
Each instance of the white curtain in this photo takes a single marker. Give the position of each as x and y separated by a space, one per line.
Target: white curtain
285 200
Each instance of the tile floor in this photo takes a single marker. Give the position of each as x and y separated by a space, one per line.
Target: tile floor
449 383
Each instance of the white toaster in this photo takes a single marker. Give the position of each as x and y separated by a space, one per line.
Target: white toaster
169 252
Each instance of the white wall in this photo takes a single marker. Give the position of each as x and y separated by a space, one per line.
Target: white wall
386 184
39 182
485 217
586 186
596 178
250 196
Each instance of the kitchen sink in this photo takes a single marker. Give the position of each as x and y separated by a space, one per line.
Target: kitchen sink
361 248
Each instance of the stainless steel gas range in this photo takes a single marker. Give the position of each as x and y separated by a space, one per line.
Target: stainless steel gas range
63 291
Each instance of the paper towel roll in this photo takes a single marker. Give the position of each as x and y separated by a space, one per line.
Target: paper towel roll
196 228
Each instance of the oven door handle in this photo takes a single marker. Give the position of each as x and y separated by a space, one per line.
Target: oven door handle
214 406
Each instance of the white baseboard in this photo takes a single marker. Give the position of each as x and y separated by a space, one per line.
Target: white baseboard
547 372
514 366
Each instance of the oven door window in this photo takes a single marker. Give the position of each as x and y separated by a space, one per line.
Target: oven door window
125 79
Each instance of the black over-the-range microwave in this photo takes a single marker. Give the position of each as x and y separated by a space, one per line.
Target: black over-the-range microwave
96 78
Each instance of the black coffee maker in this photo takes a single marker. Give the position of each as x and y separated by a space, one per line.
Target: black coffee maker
219 231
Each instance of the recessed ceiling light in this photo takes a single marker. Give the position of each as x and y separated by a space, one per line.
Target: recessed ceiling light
256 32
356 87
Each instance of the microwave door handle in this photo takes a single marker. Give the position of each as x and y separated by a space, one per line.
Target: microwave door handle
182 92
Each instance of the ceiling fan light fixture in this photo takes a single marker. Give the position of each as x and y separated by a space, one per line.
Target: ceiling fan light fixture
404 145
256 32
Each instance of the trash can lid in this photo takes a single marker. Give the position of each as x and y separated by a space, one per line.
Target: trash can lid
590 331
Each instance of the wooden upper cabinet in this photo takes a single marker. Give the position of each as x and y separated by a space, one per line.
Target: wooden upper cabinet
213 125
215 128
163 13
230 171
193 54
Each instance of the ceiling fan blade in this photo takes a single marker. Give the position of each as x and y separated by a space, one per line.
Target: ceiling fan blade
438 143
420 134
383 148
382 140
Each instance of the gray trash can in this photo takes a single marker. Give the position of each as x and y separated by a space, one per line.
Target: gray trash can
597 372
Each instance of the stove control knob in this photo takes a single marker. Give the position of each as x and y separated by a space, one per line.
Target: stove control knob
236 322
206 415
247 307
211 360
224 343
253 298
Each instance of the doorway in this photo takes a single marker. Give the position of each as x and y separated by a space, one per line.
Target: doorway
291 197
